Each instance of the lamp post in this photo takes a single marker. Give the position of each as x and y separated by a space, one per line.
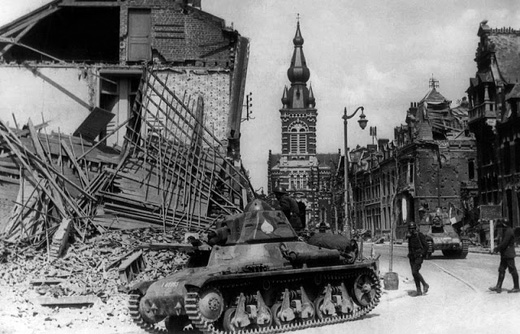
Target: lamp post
362 123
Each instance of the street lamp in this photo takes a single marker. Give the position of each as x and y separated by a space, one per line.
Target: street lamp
362 123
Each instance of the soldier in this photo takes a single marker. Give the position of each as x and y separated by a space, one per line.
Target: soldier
417 248
507 258
289 207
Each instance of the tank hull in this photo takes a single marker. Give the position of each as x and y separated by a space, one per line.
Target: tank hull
262 284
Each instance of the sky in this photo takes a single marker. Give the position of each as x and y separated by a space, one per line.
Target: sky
371 53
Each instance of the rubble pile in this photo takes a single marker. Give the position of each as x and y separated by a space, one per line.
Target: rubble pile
88 277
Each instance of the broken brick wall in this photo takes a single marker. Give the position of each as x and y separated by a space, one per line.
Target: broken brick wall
213 86
181 34
440 185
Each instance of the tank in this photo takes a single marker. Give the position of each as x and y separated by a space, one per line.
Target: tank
440 235
256 275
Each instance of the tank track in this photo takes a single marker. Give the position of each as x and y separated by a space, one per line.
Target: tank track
207 327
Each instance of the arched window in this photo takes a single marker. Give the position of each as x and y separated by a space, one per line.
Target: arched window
298 138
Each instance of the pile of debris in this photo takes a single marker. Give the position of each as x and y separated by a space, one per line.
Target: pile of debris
95 273
171 173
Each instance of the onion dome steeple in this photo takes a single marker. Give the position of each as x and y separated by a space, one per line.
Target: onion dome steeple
298 95
298 72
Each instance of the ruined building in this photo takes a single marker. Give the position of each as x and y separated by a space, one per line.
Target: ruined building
494 118
303 172
430 163
120 114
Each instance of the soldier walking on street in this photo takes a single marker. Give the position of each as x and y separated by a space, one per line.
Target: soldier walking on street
417 248
507 258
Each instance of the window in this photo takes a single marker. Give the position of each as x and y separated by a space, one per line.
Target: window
471 169
293 141
410 172
298 138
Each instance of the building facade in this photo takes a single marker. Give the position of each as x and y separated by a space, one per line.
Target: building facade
77 67
494 95
68 56
299 169
430 163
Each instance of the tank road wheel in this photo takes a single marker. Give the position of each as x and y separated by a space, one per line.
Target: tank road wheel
211 305
318 303
324 305
366 288
275 311
227 320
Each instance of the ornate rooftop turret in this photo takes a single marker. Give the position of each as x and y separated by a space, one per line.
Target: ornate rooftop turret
312 100
284 97
298 74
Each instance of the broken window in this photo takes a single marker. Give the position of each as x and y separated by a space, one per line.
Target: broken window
117 95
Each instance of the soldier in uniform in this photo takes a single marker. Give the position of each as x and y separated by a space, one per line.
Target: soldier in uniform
417 248
507 258
289 207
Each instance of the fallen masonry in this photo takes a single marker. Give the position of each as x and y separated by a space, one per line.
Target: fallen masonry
87 280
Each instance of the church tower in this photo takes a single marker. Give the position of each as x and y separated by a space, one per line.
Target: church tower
299 169
298 113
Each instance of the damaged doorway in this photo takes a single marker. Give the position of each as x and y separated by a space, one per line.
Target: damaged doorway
117 95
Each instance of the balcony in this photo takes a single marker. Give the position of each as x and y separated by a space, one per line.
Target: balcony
482 111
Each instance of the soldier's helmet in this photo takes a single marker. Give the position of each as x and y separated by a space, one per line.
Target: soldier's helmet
280 190
412 226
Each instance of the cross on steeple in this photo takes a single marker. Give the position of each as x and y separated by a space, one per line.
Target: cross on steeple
434 83
298 17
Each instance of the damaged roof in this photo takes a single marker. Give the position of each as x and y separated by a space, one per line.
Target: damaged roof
433 96
507 53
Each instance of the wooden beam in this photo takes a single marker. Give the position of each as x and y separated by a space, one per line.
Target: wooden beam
67 301
29 19
131 266
17 39
69 152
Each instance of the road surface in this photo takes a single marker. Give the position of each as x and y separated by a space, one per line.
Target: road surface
458 301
